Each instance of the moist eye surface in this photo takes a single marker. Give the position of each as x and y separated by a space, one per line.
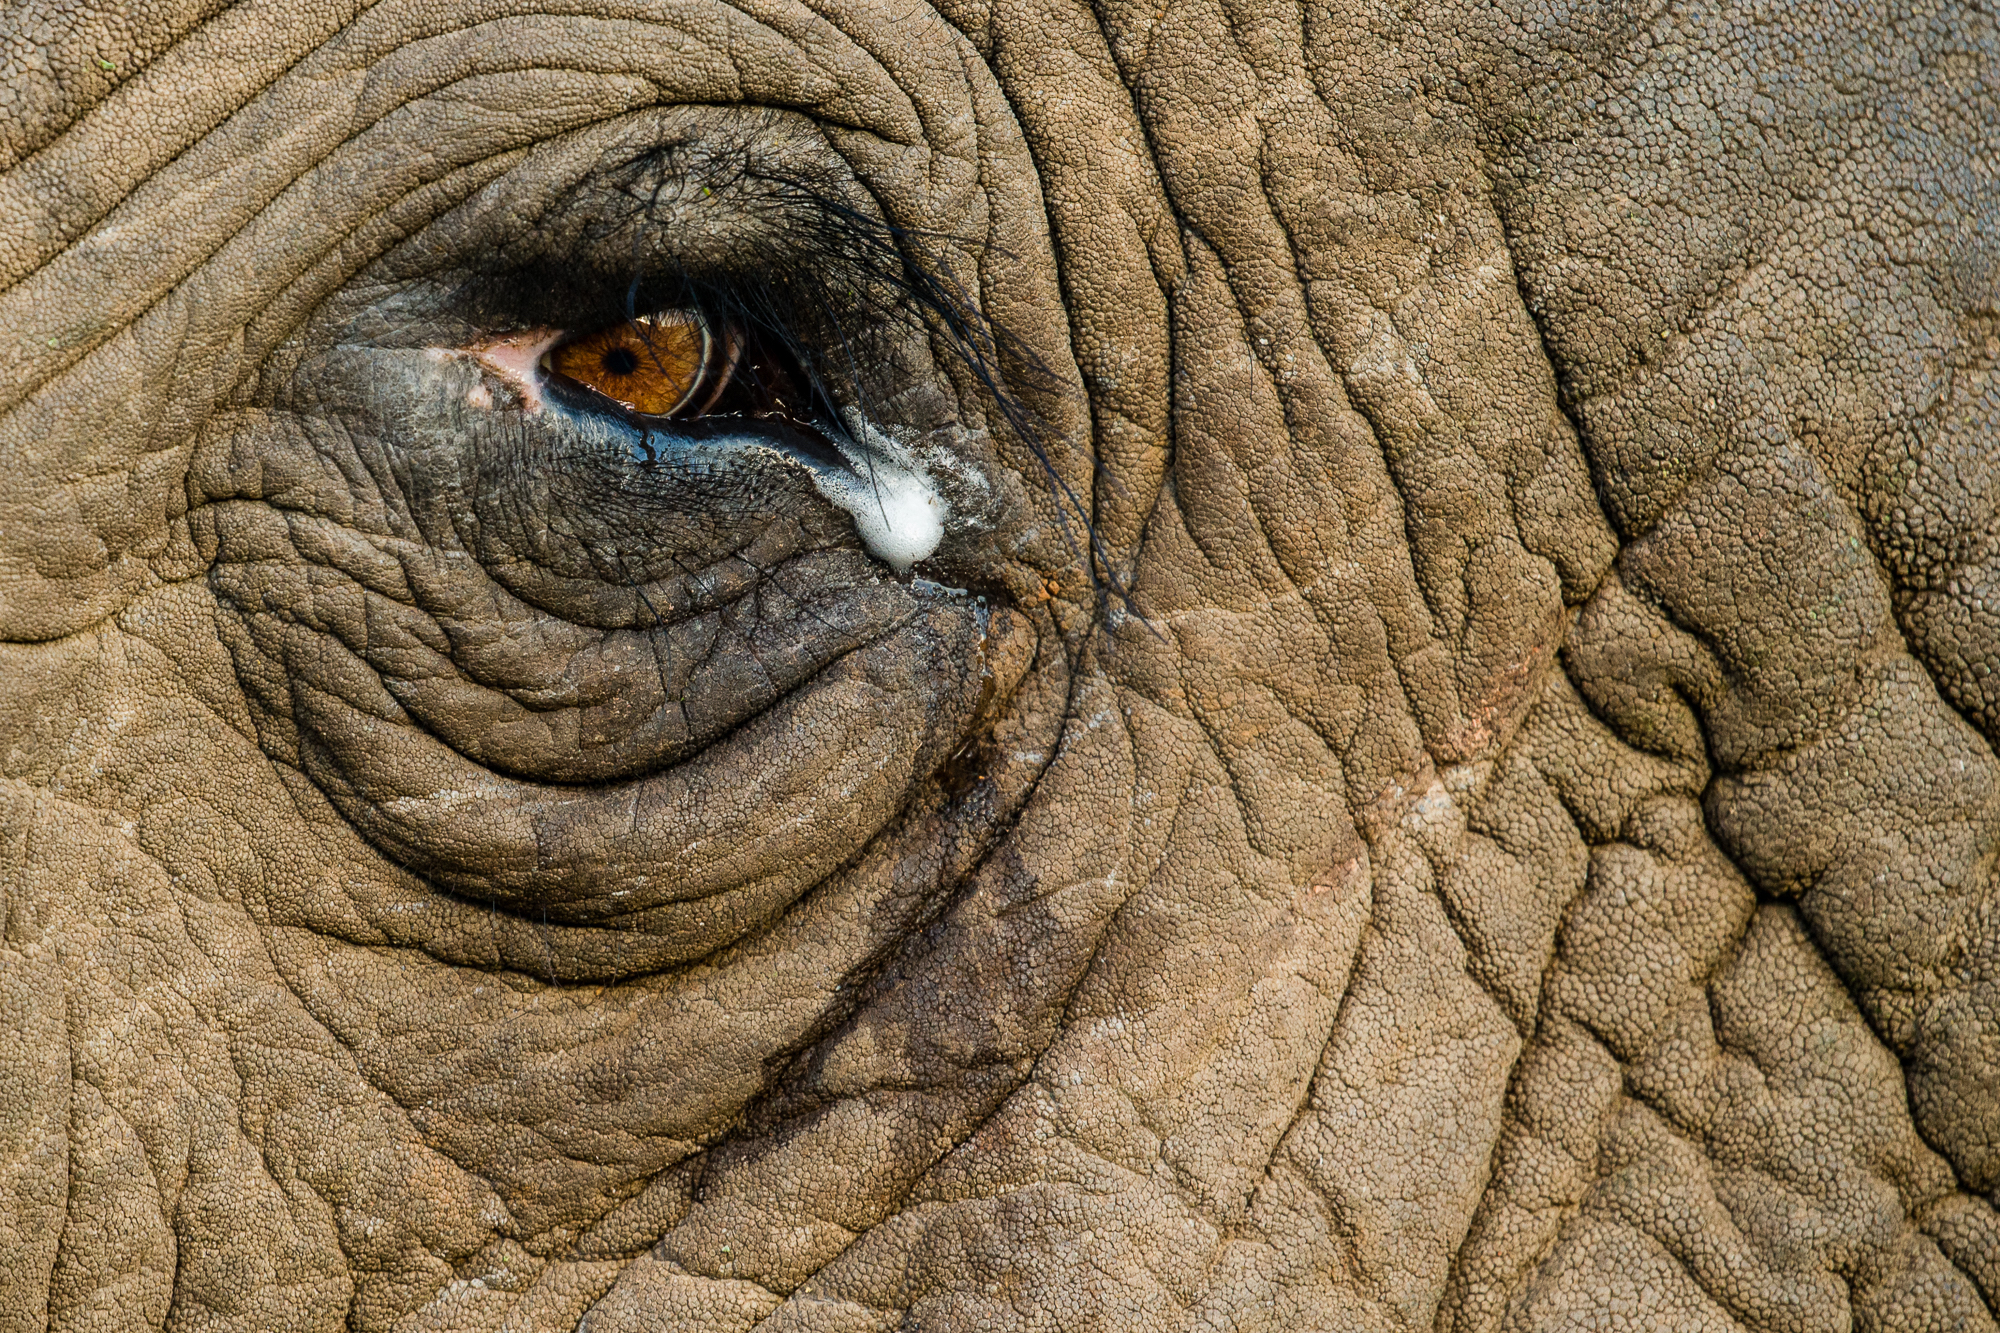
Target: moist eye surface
684 365
655 365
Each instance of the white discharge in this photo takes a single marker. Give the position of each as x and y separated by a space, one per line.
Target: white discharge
897 511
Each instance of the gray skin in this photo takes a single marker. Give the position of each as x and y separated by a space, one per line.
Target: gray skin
1497 829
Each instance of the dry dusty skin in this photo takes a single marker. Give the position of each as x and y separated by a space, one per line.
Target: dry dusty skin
1438 770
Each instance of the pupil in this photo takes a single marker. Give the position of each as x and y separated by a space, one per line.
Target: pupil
621 361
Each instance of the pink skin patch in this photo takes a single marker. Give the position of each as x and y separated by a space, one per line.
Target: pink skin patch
512 358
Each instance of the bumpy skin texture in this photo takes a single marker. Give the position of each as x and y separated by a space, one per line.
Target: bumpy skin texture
1522 855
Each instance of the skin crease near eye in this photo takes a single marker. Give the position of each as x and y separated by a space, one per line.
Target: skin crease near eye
827 668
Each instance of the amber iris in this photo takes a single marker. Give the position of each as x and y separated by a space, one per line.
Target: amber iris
650 365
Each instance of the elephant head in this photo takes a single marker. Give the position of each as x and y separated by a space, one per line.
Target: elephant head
845 665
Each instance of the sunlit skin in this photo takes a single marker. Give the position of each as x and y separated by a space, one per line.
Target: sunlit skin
860 666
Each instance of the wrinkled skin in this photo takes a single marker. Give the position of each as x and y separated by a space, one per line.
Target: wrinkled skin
1500 830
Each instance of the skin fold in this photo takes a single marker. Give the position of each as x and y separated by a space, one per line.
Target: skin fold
1440 774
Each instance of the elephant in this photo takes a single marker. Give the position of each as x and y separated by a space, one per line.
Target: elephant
1000 665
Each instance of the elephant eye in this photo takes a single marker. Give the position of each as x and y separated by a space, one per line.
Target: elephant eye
679 364
656 365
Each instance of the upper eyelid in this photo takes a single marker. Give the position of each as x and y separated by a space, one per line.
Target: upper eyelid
568 262
804 236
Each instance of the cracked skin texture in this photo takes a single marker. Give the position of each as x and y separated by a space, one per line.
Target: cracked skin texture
1524 858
